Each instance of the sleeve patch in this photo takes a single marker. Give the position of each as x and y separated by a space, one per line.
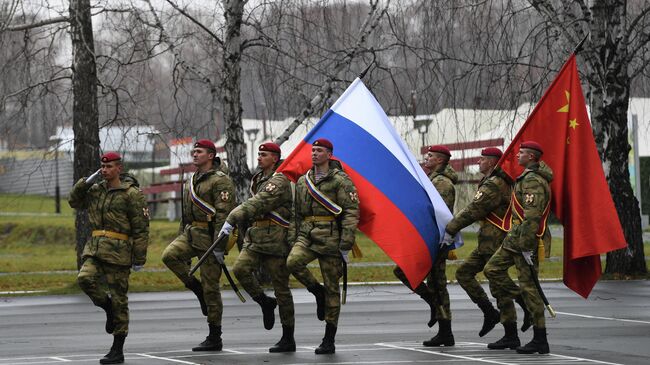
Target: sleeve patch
354 196
225 196
529 199
270 187
478 195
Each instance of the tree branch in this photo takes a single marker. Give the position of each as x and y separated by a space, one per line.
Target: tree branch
325 91
195 21
17 28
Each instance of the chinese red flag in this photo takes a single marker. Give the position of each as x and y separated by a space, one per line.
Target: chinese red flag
580 195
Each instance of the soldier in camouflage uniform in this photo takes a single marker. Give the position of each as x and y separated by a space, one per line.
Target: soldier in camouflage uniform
326 234
265 242
530 205
434 292
119 219
489 207
208 197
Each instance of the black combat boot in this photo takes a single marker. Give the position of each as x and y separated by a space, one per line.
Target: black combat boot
116 354
538 344
327 346
195 286
287 342
107 306
528 318
212 342
268 305
490 316
444 336
509 341
319 292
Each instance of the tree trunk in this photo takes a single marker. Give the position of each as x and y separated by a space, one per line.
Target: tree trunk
84 110
610 90
232 107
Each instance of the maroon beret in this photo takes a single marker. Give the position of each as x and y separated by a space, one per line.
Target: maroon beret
270 147
322 142
532 145
440 149
111 156
492 152
205 143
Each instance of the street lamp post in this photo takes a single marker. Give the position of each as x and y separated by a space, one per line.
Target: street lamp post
252 136
57 188
422 125
152 139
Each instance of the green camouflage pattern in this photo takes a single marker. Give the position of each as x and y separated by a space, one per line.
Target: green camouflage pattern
95 277
177 257
272 193
326 238
331 268
493 195
215 188
533 192
248 261
122 210
444 178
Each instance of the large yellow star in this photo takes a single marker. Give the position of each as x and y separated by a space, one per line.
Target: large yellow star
565 108
573 123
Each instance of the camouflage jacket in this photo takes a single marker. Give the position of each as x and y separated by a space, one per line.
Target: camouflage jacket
493 196
326 238
121 210
271 193
215 188
443 180
533 191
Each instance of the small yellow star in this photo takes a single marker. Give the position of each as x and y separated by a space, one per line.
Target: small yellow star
567 140
573 123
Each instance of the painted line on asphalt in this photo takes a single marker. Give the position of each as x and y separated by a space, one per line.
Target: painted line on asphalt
167 359
497 358
603 318
60 359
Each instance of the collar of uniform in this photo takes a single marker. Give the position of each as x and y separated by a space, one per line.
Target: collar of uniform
532 168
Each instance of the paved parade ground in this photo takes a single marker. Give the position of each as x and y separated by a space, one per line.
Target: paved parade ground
380 324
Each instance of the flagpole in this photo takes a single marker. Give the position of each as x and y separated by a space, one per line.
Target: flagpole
363 73
579 46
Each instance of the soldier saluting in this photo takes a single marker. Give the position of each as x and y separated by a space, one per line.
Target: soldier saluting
208 197
530 208
327 214
119 218
265 242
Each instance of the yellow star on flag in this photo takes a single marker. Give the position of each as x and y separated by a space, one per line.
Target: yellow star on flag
573 123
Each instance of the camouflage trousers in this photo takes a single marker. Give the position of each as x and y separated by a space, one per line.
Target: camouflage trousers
435 289
248 261
505 290
92 277
466 276
331 269
178 256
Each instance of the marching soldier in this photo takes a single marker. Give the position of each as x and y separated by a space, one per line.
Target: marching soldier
265 242
119 218
434 292
490 208
530 208
327 214
208 197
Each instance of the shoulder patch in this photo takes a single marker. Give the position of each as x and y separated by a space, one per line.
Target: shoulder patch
270 187
354 196
225 196
478 195
145 212
529 199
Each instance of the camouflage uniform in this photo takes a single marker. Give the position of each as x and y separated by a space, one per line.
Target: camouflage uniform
493 196
121 210
320 238
197 234
265 242
435 290
533 191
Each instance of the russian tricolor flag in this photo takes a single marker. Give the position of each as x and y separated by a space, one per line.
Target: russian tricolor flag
401 211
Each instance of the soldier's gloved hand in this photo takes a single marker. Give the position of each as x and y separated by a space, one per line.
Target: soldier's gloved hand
137 268
447 240
92 178
344 255
220 256
226 229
